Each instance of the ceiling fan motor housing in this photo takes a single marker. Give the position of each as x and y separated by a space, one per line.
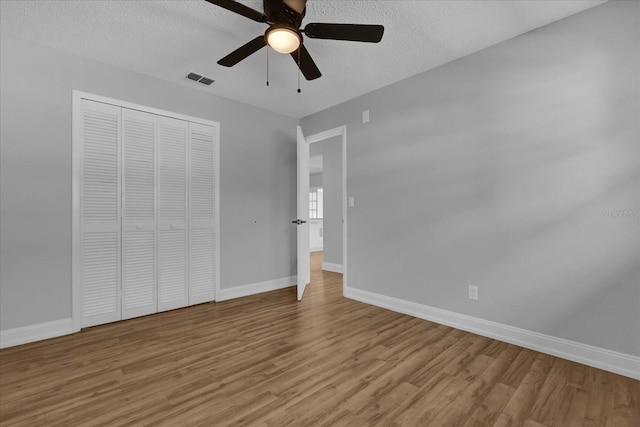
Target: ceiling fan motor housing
279 12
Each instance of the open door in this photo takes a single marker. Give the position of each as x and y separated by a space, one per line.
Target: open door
304 264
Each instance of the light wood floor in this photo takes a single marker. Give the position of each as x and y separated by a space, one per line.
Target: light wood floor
268 360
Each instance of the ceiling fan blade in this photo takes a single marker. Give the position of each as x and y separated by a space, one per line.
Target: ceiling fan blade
307 66
240 9
351 32
243 51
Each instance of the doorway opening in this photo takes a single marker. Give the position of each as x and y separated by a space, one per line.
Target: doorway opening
331 145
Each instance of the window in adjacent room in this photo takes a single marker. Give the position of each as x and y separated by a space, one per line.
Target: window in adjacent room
316 204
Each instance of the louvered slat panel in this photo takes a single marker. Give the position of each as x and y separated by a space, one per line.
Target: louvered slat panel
201 263
100 273
138 273
173 269
139 169
172 176
202 174
173 181
100 166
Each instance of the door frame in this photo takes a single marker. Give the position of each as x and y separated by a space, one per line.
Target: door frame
76 157
340 131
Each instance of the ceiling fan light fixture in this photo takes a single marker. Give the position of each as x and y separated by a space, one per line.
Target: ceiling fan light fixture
283 39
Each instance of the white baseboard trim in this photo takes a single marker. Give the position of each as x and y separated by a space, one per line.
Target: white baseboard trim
329 266
56 328
32 333
608 360
256 288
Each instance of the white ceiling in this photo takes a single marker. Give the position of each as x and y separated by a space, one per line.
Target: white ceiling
168 39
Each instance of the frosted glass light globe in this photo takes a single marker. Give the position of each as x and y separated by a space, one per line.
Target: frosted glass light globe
283 40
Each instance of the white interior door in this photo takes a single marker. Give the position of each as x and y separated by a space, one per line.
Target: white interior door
144 210
202 197
139 291
99 213
173 291
304 266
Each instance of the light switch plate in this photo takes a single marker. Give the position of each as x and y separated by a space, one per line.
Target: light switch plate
365 116
473 292
352 201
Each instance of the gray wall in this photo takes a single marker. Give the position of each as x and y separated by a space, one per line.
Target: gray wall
514 169
315 180
331 150
257 179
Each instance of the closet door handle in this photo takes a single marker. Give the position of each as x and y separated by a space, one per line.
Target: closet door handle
138 227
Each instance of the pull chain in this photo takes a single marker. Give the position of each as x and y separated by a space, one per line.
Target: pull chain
299 49
267 65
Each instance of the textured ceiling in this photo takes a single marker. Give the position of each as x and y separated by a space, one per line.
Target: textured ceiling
167 39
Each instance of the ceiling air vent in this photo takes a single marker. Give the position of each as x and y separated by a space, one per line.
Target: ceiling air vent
201 79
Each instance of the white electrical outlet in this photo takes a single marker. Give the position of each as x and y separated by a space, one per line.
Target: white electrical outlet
473 292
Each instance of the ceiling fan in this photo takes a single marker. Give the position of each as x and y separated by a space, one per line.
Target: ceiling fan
284 34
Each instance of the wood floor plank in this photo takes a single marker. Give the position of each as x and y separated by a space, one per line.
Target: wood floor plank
270 361
519 406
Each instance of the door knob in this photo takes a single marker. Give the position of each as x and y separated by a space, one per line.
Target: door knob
298 221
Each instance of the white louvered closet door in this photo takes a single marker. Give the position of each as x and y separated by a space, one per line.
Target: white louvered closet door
99 213
172 210
139 292
202 140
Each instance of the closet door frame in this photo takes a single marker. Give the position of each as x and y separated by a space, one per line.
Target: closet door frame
76 154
